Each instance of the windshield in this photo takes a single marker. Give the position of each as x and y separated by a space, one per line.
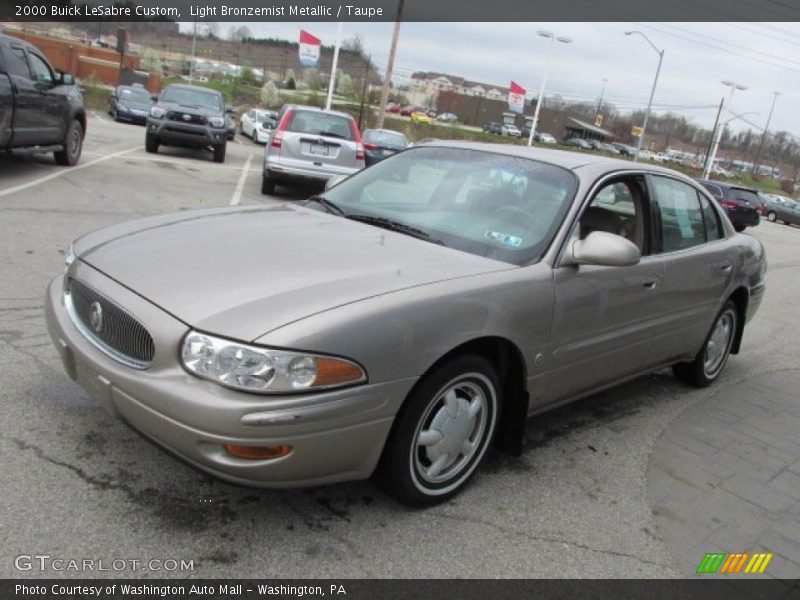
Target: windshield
135 95
492 205
320 123
385 138
192 97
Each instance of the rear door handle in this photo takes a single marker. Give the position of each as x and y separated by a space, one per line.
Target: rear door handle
726 267
651 284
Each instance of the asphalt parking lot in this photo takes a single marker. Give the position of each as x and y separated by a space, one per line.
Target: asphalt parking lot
639 481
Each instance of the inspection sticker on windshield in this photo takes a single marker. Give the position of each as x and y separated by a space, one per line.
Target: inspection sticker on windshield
504 238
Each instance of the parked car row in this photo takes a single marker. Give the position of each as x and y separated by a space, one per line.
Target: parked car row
780 209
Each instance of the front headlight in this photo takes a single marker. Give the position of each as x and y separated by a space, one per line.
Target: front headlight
157 112
264 370
216 121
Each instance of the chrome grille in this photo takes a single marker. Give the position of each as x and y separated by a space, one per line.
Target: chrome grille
115 332
174 115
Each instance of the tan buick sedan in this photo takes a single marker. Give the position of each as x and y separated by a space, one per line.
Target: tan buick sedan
412 316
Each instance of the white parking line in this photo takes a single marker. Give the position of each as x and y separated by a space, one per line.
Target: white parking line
63 171
237 193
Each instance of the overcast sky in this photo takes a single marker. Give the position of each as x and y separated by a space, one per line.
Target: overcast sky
763 56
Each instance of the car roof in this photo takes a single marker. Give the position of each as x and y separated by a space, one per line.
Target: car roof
316 109
730 186
183 86
560 158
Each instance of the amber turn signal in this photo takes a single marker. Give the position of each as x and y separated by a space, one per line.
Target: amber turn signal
333 372
257 452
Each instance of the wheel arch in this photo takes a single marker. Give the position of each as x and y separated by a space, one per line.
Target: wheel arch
506 357
740 297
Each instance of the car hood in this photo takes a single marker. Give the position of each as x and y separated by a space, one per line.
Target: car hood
244 272
135 105
190 110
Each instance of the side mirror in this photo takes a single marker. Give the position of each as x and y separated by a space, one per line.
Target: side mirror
334 181
154 97
229 110
606 249
66 78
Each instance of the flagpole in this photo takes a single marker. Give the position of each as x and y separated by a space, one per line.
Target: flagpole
332 80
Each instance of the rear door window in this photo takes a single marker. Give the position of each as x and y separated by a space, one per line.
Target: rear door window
682 223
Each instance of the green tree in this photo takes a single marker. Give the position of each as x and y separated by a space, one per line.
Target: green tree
269 94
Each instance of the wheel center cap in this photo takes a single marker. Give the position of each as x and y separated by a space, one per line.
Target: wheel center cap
455 429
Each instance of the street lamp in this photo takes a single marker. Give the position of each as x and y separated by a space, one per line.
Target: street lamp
553 39
719 128
652 91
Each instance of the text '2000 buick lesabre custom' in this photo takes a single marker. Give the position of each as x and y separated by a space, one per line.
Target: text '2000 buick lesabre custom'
400 324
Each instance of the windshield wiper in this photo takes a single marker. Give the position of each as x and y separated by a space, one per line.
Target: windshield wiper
395 226
331 207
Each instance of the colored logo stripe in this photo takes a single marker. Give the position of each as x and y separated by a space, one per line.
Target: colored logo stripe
758 563
733 563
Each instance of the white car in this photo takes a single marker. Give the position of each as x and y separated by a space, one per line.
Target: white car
511 130
545 138
257 124
447 117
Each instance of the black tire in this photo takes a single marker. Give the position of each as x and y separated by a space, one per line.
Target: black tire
70 153
772 217
705 369
739 228
151 143
219 152
406 469
267 185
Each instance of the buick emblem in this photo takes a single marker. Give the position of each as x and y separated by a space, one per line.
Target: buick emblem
187 117
96 316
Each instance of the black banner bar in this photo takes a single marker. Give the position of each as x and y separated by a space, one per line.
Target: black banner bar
413 10
722 588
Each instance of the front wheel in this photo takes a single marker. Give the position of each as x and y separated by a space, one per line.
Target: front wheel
772 217
150 143
709 362
70 153
442 432
219 153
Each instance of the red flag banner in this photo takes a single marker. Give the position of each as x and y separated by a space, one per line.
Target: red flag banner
516 98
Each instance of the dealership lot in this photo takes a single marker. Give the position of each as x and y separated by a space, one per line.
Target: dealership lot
641 480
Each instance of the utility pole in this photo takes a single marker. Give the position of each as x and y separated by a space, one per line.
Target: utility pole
764 133
713 137
715 146
387 79
540 98
652 91
364 86
600 101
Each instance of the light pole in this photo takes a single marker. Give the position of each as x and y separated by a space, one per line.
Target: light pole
553 39
652 91
764 133
387 80
712 156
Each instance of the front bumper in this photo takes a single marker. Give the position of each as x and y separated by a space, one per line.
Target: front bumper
186 134
335 436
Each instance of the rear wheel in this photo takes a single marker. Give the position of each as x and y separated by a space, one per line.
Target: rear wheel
70 154
771 216
709 362
442 432
219 153
267 185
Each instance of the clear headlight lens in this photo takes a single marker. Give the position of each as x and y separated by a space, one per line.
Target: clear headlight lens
157 112
264 370
216 121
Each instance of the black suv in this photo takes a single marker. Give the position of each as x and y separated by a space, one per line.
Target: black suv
740 203
41 109
190 116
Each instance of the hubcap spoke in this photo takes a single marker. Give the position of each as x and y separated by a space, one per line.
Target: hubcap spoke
451 403
475 406
429 437
438 465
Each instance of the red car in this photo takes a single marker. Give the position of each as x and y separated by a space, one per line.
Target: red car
410 108
393 108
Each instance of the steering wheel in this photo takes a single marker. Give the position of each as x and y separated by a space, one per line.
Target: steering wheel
513 214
